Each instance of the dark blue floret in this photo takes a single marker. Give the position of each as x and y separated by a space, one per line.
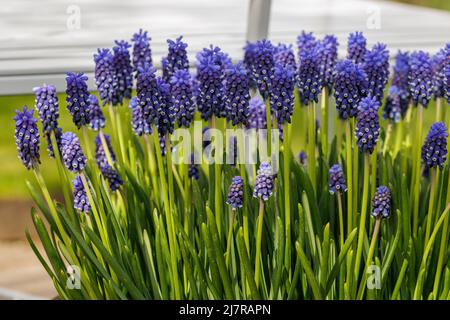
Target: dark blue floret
177 58
78 98
381 203
282 95
328 52
96 117
306 43
112 176
165 113
376 66
142 53
46 102
236 193
72 155
148 95
356 48
264 67
420 78
237 94
105 79
284 55
182 97
336 182
58 134
264 182
123 72
396 104
309 82
257 114
350 86
434 149
100 154
80 198
367 127
26 135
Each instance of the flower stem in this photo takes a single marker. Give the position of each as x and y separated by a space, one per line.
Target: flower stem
416 171
105 148
348 148
341 219
311 144
120 136
287 192
388 135
87 143
269 128
230 236
258 242
438 109
152 165
324 126
217 183
244 201
430 206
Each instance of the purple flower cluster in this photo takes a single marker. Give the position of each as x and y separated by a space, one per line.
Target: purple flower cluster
78 98
236 193
376 66
165 113
249 58
282 94
138 123
264 67
356 47
148 97
396 105
336 182
123 72
438 62
80 198
306 43
100 154
434 149
381 203
26 135
367 127
177 58
105 79
46 102
309 81
96 117
420 78
182 96
401 72
142 54
237 94
328 52
112 176
264 182
71 152
257 114
284 55
193 172
302 158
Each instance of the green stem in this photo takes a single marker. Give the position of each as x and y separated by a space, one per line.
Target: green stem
399 137
121 139
152 166
230 237
338 139
269 127
341 219
312 144
348 148
416 173
287 192
87 143
324 127
217 184
388 135
258 242
438 109
430 206
244 202
105 148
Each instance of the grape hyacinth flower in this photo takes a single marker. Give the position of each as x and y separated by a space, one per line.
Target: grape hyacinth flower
381 203
237 94
356 47
367 127
302 158
438 62
308 77
58 134
193 172
264 67
264 182
236 193
78 98
328 52
96 117
282 95
177 58
72 155
420 78
138 122
396 105
142 54
46 103
306 43
284 55
434 149
336 182
112 176
26 136
105 79
123 72
376 67
148 95
80 198
257 114
249 59
401 72
349 87
100 153
182 97
165 114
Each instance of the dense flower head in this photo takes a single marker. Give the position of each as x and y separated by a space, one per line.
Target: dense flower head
105 78
306 43
236 193
439 61
302 158
381 203
264 182
350 86
78 98
142 54
446 73
112 176
309 81
328 53
48 138
257 114
264 67
284 55
100 154
249 59
80 198
138 122
177 58
237 94
420 78
26 135
182 96
356 47
72 155
434 149
193 171
336 182
367 127
401 72
46 103
396 104
165 111
148 95
123 72
376 66
282 95
211 65
96 117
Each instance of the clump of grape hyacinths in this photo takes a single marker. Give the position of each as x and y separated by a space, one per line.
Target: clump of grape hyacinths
236 193
78 98
148 95
237 94
434 149
104 75
306 42
282 95
177 58
80 198
328 52
71 152
264 182
142 54
336 182
349 87
356 47
420 78
123 72
96 117
367 127
26 136
46 103
376 67
309 82
396 105
182 97
284 55
381 203
264 67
